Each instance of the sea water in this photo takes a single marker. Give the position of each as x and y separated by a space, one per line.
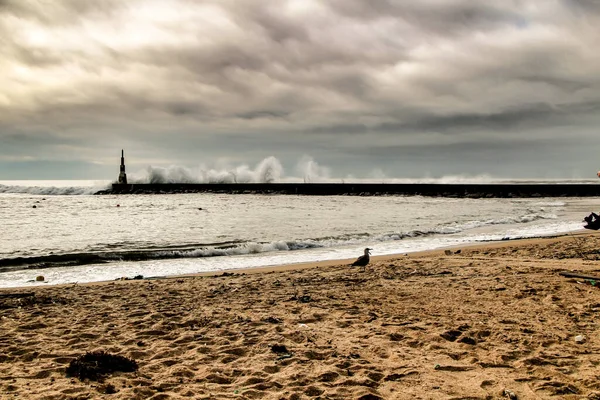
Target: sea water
61 230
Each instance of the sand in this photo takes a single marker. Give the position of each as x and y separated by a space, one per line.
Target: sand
488 322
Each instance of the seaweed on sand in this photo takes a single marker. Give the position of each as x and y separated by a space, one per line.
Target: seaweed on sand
96 365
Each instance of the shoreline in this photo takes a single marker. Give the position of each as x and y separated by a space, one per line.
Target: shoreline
375 258
321 264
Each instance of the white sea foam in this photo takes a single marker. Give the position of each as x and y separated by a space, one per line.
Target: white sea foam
53 188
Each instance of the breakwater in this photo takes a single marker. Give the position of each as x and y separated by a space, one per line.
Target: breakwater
366 189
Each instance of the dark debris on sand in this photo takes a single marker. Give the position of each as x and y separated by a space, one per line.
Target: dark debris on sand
279 348
96 365
26 300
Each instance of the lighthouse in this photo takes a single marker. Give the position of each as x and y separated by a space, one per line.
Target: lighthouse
122 174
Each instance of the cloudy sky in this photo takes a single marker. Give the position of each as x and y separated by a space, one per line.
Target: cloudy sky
395 87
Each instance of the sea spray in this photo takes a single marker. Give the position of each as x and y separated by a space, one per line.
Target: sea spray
55 188
311 171
268 170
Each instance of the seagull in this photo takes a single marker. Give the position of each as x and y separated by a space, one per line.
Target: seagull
363 260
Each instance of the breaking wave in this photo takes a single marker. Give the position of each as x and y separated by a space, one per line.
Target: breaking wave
236 248
268 170
53 190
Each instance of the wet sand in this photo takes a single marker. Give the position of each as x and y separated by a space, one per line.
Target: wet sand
486 322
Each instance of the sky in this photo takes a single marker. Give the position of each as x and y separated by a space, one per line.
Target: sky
363 88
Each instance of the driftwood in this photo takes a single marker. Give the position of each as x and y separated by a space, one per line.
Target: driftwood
15 295
581 276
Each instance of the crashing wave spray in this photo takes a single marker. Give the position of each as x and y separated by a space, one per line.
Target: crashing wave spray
268 170
55 188
308 168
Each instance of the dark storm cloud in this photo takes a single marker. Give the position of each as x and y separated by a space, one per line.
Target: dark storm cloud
260 114
540 114
480 150
337 75
452 18
585 6
526 116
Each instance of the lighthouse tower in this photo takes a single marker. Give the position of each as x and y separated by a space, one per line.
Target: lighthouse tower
122 174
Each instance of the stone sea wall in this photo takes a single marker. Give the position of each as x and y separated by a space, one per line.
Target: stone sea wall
366 189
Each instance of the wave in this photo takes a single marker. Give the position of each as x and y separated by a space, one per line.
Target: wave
52 190
549 204
100 257
236 248
268 170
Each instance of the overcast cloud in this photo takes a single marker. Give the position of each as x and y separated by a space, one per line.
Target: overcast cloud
408 88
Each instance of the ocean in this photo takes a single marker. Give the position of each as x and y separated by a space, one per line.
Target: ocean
61 230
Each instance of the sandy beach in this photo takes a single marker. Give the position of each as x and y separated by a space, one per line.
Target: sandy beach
491 321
